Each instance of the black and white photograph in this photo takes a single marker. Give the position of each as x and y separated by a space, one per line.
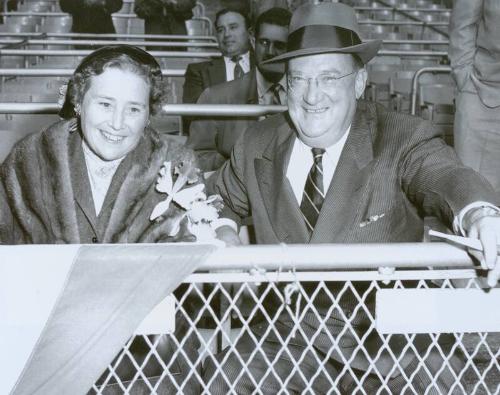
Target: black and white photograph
250 197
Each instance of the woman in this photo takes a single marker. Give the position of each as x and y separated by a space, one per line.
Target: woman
91 177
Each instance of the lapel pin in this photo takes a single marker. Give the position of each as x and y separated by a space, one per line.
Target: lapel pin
371 219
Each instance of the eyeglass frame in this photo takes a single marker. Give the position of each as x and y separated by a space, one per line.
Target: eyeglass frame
321 86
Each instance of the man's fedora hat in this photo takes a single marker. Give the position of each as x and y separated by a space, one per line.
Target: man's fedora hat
326 28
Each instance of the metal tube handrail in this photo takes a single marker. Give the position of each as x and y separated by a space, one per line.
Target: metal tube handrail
110 35
58 14
415 82
122 42
84 52
317 257
399 23
338 256
173 54
69 72
236 110
401 9
388 52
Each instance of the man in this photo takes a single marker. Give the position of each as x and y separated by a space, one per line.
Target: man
233 35
213 138
338 170
474 54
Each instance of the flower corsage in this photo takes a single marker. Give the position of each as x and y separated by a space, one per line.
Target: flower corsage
187 193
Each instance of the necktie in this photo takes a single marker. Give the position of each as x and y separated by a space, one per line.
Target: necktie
275 89
238 70
313 196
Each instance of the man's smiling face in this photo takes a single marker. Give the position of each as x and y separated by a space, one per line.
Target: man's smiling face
322 94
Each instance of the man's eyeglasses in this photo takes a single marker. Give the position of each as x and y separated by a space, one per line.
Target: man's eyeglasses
326 82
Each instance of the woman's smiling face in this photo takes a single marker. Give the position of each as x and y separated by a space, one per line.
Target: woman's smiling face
114 112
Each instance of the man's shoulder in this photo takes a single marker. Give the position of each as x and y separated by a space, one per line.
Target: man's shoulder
199 66
230 92
272 130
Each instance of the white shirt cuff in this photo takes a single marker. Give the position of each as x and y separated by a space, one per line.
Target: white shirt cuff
458 220
224 222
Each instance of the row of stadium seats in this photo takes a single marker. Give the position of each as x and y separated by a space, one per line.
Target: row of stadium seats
390 76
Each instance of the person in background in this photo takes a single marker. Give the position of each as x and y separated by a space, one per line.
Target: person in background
233 35
474 53
337 169
213 138
165 17
91 16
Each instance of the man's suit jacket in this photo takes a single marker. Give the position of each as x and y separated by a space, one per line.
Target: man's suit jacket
393 166
213 138
199 76
475 47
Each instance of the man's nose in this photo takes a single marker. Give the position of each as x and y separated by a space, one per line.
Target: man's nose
271 50
313 92
118 118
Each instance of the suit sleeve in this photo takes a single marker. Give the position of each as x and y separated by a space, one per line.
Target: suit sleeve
436 181
203 137
228 182
193 85
464 21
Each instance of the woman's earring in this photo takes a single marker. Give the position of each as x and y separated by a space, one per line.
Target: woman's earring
77 109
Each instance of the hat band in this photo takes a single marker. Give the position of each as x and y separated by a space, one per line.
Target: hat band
321 36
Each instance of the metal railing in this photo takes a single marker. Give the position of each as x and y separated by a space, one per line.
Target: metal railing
36 72
416 80
84 52
168 109
165 37
155 43
328 297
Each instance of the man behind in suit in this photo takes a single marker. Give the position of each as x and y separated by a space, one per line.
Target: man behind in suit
336 169
233 35
474 54
213 138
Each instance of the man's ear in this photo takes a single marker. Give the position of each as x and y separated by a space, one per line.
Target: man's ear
360 82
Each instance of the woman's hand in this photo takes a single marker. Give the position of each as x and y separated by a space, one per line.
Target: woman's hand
228 235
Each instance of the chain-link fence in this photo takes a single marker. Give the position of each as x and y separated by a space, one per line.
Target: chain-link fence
303 332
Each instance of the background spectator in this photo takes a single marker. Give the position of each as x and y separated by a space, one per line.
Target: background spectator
475 59
165 17
91 16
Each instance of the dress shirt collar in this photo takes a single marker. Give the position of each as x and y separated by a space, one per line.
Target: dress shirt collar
264 86
244 63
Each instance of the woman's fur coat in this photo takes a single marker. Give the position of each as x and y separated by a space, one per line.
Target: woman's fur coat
40 191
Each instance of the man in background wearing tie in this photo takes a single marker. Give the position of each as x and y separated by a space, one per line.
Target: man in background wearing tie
337 169
233 35
213 138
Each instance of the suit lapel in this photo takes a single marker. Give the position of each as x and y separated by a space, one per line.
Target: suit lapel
80 180
252 95
276 191
344 194
217 71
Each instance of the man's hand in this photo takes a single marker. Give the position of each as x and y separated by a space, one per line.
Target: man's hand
484 224
228 235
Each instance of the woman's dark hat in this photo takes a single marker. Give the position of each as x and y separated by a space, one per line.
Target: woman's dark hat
326 28
104 54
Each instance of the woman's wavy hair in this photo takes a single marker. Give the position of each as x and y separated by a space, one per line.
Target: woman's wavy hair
123 57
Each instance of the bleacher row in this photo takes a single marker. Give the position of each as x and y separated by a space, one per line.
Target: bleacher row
36 36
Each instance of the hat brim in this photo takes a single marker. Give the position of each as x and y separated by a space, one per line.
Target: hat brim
366 51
